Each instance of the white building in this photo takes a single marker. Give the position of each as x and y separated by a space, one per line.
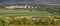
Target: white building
29 6
22 6
12 7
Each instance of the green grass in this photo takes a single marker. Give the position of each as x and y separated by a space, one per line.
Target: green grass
34 25
0 23
24 13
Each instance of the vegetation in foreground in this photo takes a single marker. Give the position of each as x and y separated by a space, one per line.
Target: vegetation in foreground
29 21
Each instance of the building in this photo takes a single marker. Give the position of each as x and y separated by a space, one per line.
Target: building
16 6
20 6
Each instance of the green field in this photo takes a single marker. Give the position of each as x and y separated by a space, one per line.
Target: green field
24 13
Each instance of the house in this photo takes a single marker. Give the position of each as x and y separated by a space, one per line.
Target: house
12 7
19 6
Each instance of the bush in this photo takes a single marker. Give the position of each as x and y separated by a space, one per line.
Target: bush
24 21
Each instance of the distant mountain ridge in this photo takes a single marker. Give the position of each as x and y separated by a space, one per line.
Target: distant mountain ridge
40 1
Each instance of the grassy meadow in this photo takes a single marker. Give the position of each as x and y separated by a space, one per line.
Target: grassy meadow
24 13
